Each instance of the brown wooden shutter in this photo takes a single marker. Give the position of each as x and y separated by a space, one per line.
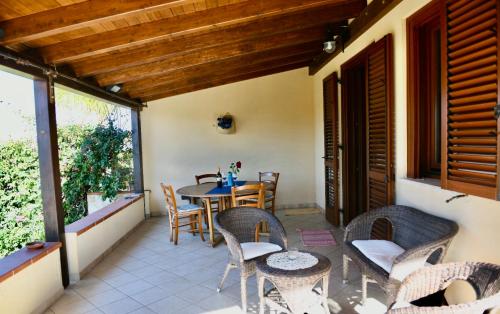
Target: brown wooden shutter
380 161
331 139
470 94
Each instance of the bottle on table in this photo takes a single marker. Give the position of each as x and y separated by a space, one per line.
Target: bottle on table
219 179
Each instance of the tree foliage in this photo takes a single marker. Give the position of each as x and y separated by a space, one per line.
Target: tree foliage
102 164
91 160
21 218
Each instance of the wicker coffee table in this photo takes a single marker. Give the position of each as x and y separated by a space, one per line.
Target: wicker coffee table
293 289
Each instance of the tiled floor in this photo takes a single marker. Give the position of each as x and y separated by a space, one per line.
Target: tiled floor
148 274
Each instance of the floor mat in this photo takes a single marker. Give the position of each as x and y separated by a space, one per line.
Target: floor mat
321 237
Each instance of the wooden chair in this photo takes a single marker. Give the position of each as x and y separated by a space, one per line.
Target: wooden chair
249 195
176 213
216 203
205 178
271 180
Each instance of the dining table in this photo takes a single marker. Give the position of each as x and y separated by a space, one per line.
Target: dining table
208 191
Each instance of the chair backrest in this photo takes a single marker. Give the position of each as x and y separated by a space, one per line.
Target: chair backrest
249 195
271 178
483 277
168 193
238 225
207 177
412 227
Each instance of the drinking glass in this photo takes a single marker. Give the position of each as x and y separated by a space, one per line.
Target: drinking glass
292 253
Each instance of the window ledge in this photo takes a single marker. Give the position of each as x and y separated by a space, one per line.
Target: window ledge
88 222
17 261
429 181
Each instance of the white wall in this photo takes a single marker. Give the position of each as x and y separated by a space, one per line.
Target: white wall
34 288
478 218
274 131
86 248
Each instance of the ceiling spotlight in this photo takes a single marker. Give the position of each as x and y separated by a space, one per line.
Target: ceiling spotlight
114 88
329 46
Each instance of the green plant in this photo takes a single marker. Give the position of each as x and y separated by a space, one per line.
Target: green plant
102 164
91 160
21 218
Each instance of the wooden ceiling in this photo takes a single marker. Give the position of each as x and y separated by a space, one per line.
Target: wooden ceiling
161 48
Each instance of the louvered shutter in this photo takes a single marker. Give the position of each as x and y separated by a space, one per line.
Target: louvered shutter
330 112
380 124
470 129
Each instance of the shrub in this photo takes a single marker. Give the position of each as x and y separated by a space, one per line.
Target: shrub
102 164
21 218
91 160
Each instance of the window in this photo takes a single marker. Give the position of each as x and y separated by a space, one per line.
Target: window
424 96
463 107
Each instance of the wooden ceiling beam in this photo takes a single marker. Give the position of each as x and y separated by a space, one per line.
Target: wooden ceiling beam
231 64
245 12
221 73
211 54
166 48
76 16
241 77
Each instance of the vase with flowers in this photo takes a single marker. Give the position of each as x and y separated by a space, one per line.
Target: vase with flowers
234 170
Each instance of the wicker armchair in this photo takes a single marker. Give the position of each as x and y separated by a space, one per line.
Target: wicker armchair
423 238
237 225
483 277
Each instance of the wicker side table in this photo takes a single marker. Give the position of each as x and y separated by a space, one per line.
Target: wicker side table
293 287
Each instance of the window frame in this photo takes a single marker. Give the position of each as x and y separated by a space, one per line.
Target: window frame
421 163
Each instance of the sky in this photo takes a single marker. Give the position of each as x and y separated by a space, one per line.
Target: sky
17 109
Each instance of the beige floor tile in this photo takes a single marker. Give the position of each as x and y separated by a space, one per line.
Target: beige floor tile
163 278
122 306
193 309
121 280
77 307
106 297
219 301
151 295
135 287
194 294
91 286
171 304
142 310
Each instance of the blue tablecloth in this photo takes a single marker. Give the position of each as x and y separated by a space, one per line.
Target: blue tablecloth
225 189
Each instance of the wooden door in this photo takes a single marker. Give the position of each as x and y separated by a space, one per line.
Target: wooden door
330 118
354 176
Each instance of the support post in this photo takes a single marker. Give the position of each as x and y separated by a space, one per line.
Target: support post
50 178
137 150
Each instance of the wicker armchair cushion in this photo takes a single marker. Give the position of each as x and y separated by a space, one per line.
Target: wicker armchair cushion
381 252
384 253
252 250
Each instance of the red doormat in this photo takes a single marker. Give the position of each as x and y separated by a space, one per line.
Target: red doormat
320 237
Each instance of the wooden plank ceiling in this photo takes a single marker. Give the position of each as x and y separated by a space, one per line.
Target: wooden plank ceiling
161 48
